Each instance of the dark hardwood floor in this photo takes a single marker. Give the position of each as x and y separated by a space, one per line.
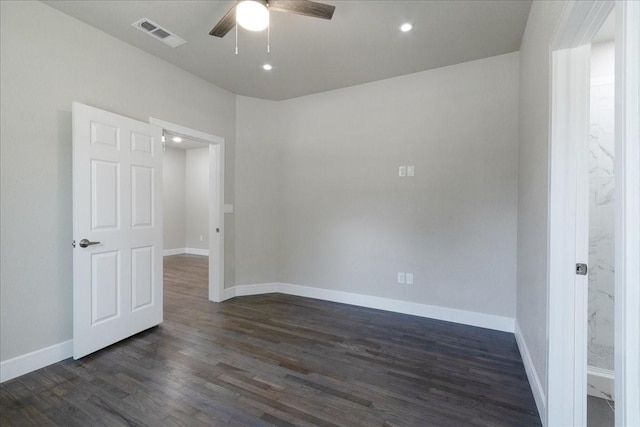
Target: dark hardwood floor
280 360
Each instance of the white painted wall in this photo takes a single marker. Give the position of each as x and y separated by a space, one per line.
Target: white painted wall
197 198
173 194
533 182
40 76
327 169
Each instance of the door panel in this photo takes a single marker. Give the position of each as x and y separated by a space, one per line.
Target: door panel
105 286
142 279
117 205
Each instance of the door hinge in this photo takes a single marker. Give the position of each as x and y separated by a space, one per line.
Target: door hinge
581 269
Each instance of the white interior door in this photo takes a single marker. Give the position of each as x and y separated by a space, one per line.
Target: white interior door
117 228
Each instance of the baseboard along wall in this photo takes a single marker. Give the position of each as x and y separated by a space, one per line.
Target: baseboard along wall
532 375
188 251
482 320
12 368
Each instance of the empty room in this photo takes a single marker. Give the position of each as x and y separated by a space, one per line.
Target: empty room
319 213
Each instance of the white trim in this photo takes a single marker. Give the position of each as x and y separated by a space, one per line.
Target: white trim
189 251
532 374
216 202
35 360
170 252
245 290
580 22
627 199
568 221
568 238
482 320
600 383
194 251
185 131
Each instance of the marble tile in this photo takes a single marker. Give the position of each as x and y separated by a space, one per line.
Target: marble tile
601 226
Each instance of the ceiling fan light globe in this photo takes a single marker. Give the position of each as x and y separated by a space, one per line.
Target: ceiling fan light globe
252 15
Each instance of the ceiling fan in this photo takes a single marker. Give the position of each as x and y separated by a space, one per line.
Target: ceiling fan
254 14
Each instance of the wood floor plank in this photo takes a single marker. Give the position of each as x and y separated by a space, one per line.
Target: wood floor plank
280 360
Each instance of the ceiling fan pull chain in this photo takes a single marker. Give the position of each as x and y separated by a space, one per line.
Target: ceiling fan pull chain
268 30
236 34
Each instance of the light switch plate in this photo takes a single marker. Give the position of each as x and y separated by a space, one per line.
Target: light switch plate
400 277
402 171
411 170
409 278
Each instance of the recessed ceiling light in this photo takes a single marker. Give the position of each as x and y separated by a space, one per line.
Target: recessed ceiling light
267 67
406 27
176 139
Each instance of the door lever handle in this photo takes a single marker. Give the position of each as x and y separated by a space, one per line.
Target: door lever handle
85 243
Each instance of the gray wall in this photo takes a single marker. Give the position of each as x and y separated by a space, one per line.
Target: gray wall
258 190
197 198
173 198
325 177
533 180
41 73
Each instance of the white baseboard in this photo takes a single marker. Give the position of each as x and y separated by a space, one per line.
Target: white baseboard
193 251
35 360
532 375
245 290
190 251
600 383
481 320
177 251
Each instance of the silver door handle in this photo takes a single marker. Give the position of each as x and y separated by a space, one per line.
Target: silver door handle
85 243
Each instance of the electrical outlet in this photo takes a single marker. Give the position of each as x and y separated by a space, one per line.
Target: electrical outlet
411 170
400 277
402 171
409 278
201 238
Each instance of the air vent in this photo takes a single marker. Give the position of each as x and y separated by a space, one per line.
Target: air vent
149 27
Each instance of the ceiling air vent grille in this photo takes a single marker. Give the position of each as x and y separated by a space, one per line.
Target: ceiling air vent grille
149 27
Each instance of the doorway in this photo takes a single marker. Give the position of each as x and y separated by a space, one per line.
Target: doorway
204 234
568 212
601 230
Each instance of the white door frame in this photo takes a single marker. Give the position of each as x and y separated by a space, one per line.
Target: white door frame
627 247
216 201
568 232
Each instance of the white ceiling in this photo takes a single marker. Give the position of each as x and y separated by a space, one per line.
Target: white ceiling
361 44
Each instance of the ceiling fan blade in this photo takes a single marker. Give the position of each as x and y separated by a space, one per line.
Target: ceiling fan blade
225 25
303 7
